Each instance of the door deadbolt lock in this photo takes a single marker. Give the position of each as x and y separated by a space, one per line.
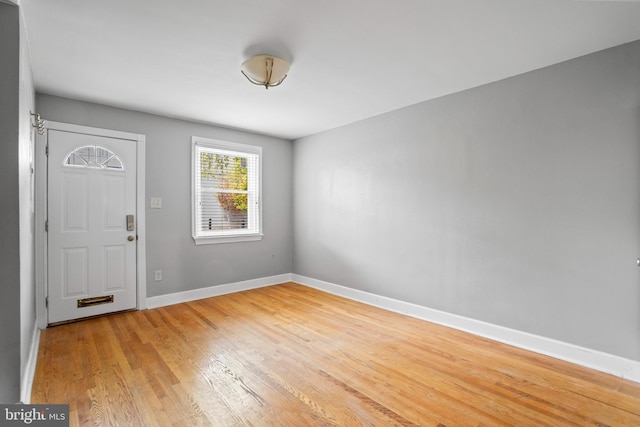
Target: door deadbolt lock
130 224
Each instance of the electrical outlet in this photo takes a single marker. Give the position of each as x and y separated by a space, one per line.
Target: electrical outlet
158 275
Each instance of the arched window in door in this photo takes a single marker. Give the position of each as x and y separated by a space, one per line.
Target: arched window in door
93 156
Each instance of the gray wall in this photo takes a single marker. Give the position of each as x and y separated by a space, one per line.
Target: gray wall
26 210
9 226
515 203
170 247
17 316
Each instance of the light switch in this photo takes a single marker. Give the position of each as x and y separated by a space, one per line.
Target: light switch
155 203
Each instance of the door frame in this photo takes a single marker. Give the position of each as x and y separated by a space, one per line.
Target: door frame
41 207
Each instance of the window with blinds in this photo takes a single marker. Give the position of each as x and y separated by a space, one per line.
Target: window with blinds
226 191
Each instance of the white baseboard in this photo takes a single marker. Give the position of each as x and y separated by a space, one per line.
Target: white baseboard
593 359
30 367
213 291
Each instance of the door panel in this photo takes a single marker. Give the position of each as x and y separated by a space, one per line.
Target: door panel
115 202
75 202
115 268
75 281
91 190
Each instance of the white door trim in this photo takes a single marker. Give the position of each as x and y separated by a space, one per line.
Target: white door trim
41 212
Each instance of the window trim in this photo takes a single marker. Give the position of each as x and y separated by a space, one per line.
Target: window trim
234 236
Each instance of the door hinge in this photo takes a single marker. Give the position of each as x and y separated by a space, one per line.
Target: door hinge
46 226
46 302
46 150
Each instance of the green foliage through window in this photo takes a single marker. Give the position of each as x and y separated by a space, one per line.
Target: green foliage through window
231 174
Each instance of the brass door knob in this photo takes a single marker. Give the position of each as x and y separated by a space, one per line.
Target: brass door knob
131 238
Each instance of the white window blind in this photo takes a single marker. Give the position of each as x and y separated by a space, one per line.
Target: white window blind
226 191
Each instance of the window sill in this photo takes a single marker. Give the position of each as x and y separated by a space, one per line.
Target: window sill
212 240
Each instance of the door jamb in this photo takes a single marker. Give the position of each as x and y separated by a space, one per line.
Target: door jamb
41 212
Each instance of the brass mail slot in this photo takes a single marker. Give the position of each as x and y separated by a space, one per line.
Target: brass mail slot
88 302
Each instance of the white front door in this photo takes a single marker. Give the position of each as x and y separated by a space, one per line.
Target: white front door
91 225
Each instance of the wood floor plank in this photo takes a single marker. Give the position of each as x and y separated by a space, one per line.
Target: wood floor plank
289 355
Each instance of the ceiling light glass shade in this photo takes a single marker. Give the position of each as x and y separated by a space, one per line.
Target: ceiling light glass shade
265 70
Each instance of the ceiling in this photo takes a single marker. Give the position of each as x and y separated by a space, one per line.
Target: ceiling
350 59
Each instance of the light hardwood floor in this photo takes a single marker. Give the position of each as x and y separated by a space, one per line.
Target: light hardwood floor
289 355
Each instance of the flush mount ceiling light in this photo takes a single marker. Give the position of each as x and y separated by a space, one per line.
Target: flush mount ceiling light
265 70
